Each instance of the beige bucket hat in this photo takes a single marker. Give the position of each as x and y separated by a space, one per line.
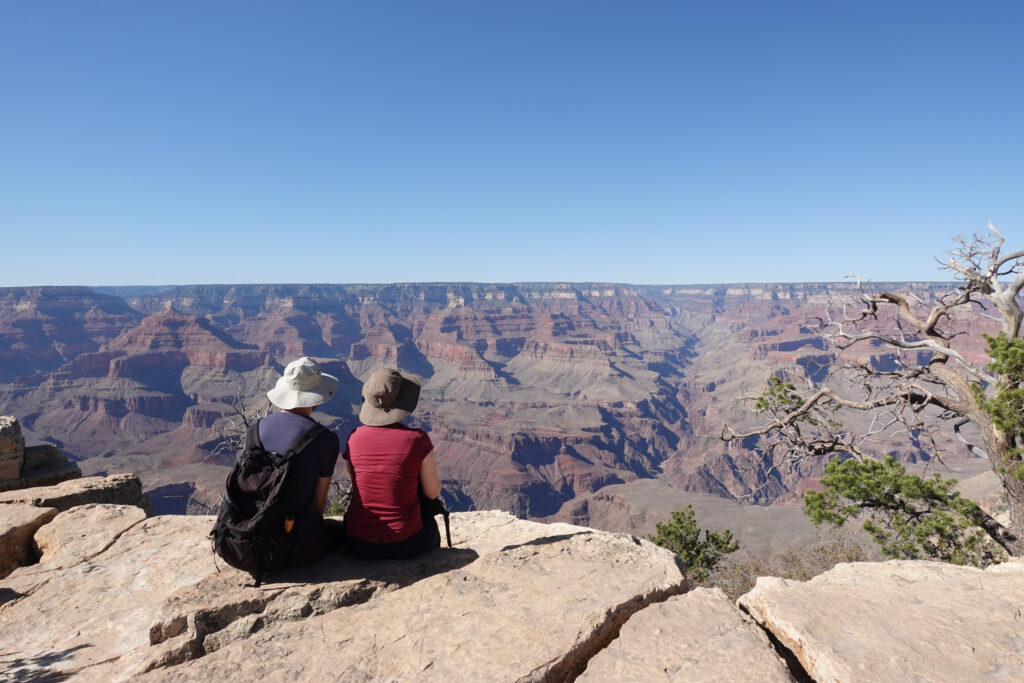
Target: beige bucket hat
388 397
303 385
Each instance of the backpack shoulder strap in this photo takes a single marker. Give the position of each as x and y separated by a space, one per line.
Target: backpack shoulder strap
304 439
252 435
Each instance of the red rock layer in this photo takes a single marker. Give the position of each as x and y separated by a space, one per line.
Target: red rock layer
533 394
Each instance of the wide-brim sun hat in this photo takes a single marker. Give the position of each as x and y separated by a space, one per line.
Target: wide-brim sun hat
388 397
303 385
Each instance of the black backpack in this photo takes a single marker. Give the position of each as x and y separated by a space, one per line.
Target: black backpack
253 528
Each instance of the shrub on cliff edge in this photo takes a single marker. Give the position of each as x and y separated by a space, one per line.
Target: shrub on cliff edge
909 517
737 578
698 549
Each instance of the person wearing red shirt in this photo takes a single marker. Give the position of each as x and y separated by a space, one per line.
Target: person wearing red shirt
389 464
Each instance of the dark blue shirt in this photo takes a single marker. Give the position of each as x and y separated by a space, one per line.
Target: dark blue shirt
277 432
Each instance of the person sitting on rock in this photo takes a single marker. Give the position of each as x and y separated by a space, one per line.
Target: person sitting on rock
297 393
389 464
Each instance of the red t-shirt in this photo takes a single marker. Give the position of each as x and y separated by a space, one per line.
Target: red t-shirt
386 460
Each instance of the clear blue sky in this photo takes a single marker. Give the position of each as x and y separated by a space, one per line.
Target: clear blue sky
645 142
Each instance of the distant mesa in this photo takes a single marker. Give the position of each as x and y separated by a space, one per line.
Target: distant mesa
534 394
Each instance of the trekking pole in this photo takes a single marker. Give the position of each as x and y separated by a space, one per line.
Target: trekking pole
447 529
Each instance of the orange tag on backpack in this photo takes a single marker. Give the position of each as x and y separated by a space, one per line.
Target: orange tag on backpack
289 522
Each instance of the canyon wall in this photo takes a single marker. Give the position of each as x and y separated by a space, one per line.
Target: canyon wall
534 394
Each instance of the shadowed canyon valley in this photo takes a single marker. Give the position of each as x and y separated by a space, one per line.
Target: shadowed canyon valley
596 404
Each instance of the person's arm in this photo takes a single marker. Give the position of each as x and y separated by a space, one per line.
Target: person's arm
323 485
429 479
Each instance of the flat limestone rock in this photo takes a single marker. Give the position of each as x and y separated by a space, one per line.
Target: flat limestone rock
899 621
117 489
526 601
44 465
77 619
18 523
700 636
83 532
512 599
226 607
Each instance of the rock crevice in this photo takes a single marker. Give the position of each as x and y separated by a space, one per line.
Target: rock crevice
118 596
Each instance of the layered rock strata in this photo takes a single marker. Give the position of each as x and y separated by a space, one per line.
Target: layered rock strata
45 465
12 448
25 467
534 394
117 489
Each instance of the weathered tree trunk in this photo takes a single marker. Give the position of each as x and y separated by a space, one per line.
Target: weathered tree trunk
946 382
998 448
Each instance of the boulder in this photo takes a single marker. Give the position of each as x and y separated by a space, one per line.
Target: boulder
17 525
77 617
513 599
700 636
117 489
12 448
898 621
118 596
529 602
44 465
83 532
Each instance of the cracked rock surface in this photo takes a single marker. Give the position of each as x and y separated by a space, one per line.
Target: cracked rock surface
118 596
17 525
512 600
700 636
899 621
516 601
83 532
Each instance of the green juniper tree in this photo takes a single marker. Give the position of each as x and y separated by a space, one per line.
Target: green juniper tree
698 549
909 517
1006 406
340 497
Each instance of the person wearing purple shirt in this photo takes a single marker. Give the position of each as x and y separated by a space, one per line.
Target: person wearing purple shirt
302 388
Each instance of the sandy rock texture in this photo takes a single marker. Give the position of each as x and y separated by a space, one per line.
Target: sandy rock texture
44 465
117 489
700 636
517 601
899 621
94 615
513 599
18 523
83 532
120 596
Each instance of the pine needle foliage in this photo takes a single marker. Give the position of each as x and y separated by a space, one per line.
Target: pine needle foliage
1006 407
698 549
779 397
909 517
339 499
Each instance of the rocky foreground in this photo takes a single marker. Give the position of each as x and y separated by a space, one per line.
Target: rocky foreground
117 595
